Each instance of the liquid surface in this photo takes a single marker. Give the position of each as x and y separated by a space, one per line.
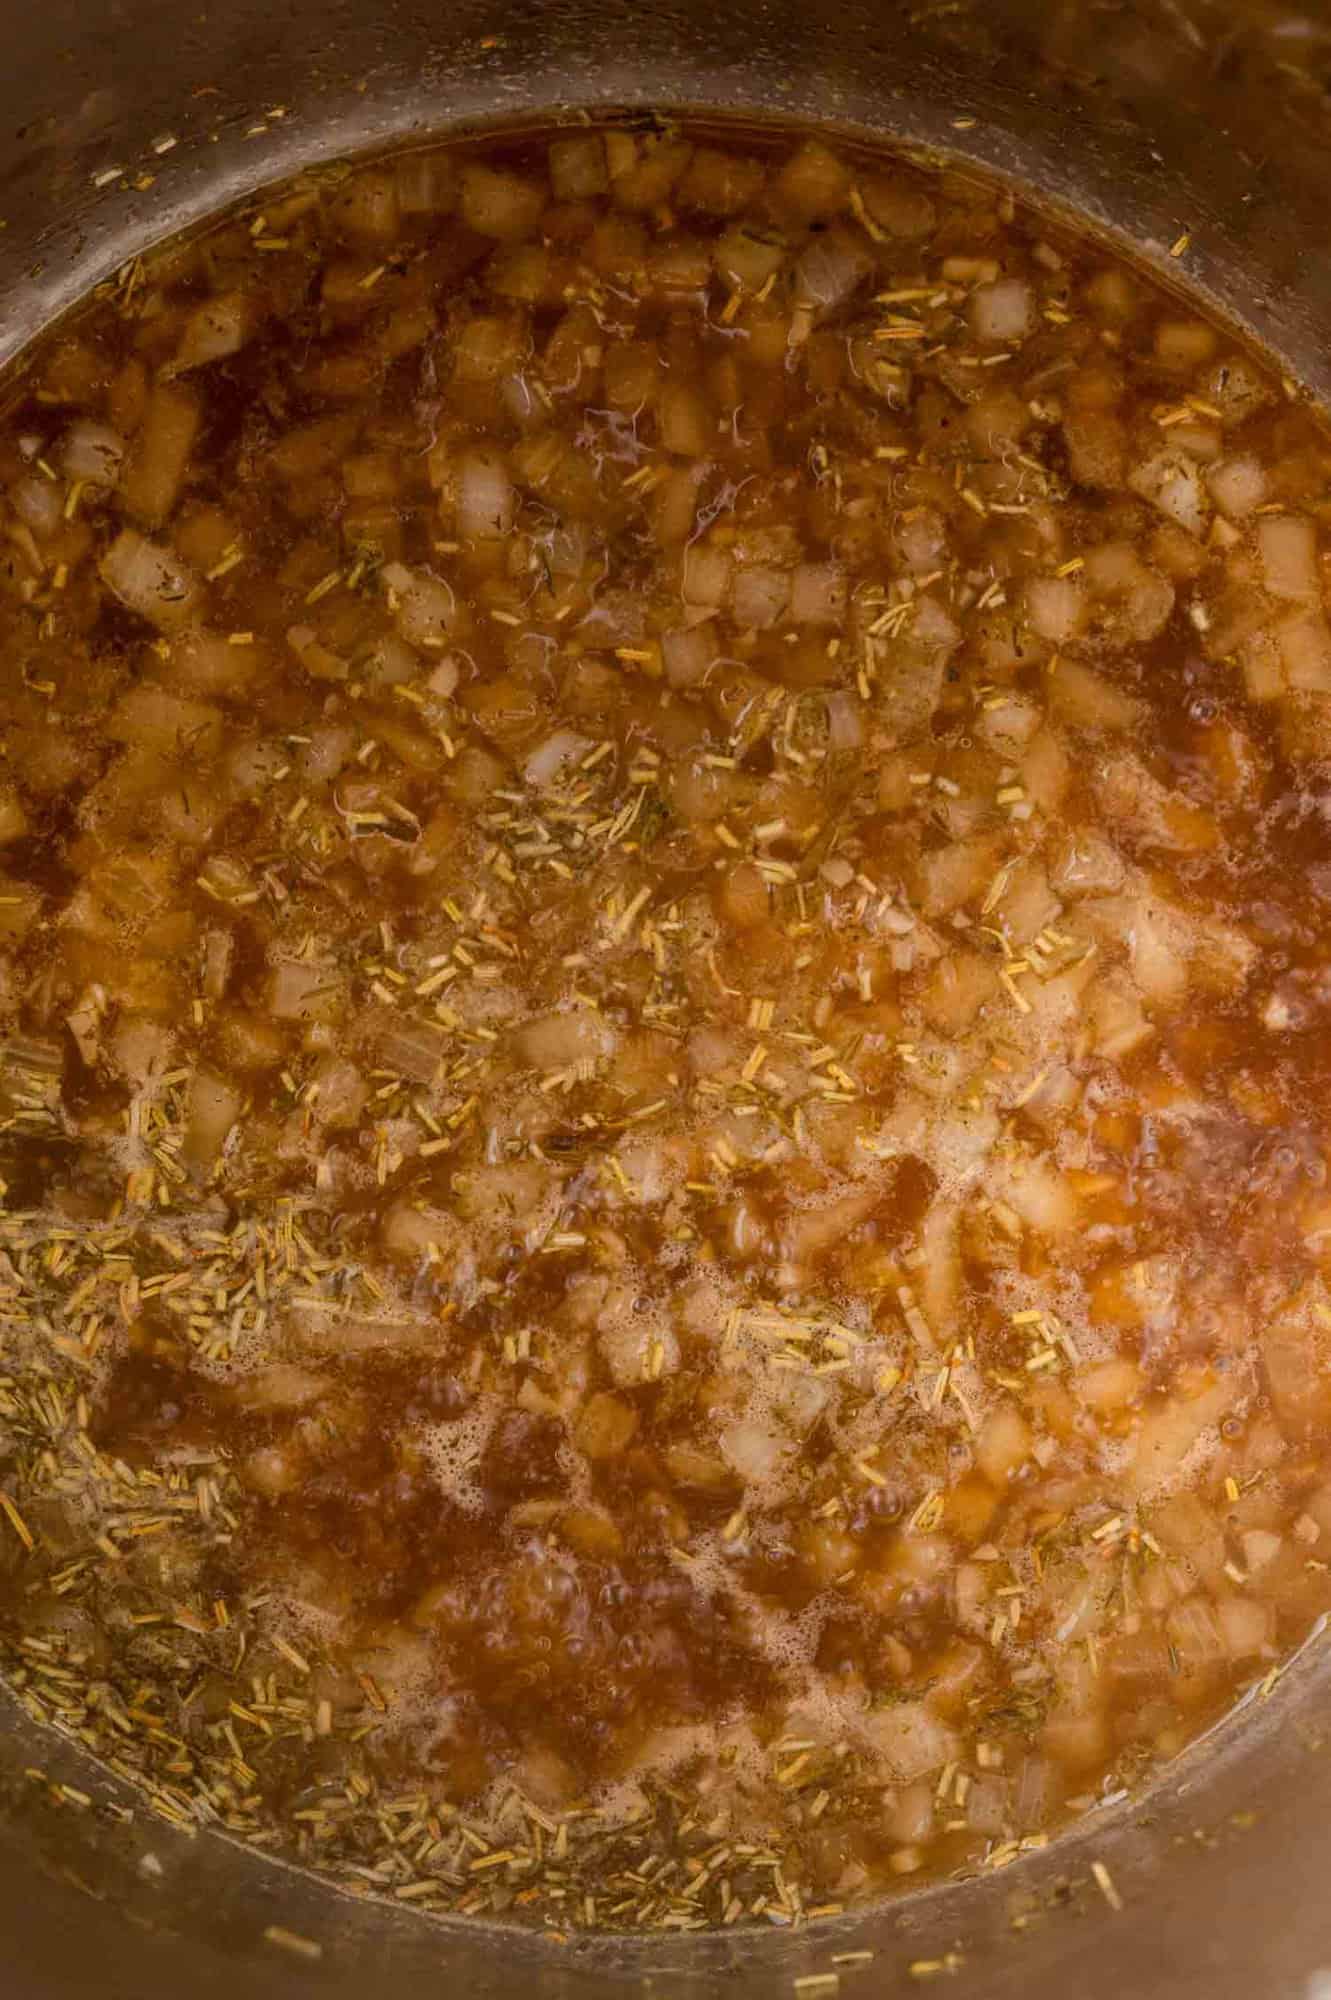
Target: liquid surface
663 862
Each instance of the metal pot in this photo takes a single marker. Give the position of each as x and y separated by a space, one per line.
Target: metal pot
1154 120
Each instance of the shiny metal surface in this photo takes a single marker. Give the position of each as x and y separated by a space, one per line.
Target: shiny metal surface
1157 119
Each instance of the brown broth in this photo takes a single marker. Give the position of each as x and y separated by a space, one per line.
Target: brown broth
664 844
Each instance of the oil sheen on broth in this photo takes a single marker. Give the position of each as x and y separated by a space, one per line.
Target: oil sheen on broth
665 1070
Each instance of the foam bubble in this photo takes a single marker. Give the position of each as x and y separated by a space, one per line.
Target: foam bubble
454 1450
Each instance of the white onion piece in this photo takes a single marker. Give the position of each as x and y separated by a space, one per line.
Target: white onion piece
1003 311
328 751
550 757
1246 1627
423 606
902 211
314 656
1041 1196
486 499
845 723
577 167
255 763
615 619
687 425
1083 697
1056 607
1263 669
753 1449
553 1041
1157 950
1133 601
213 1106
391 662
1287 544
830 269
156 469
911 1739
365 208
496 203
1009 724
814 183
818 594
706 576
933 626
445 677
687 653
1237 485
149 579
1199 440
521 400
216 329
207 663
921 539
1235 386
306 990
747 259
758 597
92 453
1184 344
1305 651
565 547
38 502
1172 483
1086 864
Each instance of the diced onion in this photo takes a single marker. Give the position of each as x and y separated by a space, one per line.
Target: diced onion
1287 544
314 656
830 269
1172 483
486 499
1086 698
911 1739
748 259
758 596
578 167
818 594
423 605
686 654
149 579
1132 601
845 724
687 426
1305 651
754 1450
1238 486
1003 311
38 502
155 470
552 1041
1056 607
903 211
706 575
218 328
498 203
552 756
392 663
92 453
214 1105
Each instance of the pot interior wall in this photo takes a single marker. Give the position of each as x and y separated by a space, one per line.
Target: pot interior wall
1151 120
